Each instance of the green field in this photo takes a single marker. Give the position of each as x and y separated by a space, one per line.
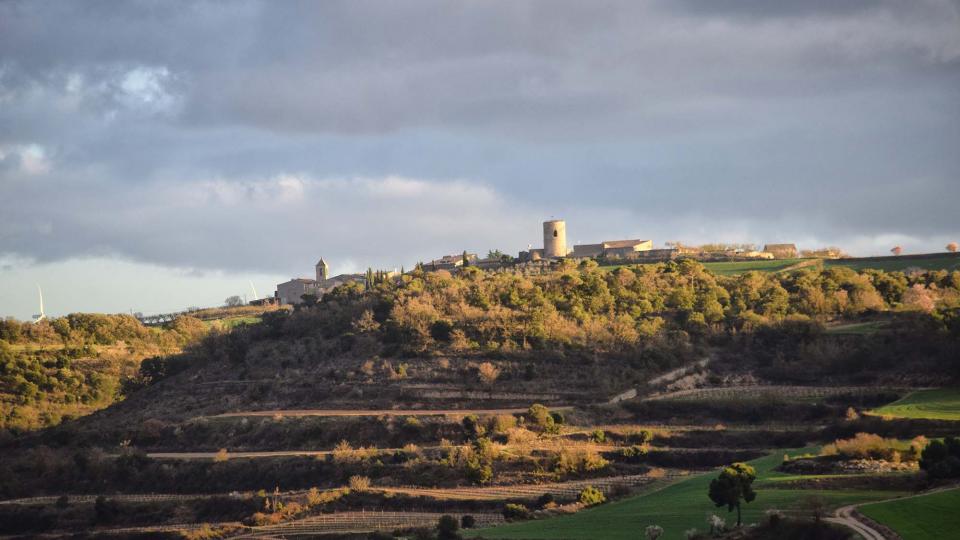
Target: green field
861 328
676 508
901 263
734 267
889 264
739 267
939 404
231 322
927 516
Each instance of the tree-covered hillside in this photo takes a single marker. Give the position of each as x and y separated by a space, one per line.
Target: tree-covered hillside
69 366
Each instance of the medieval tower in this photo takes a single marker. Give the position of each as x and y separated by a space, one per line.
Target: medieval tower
554 238
323 271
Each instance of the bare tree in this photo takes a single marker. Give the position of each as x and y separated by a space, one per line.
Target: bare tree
897 250
233 301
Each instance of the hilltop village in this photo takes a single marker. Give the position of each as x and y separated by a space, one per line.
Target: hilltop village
554 248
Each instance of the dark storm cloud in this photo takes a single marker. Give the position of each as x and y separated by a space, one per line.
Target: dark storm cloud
178 133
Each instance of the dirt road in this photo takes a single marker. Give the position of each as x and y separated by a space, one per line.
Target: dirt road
844 516
379 412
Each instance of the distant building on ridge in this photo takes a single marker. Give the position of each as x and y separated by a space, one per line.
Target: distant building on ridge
292 292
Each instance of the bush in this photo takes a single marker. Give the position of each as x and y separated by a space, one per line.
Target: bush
513 511
478 472
591 496
598 436
863 446
545 499
359 483
540 416
468 522
941 459
447 528
578 460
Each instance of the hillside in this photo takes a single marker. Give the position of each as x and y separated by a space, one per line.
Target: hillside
69 366
459 394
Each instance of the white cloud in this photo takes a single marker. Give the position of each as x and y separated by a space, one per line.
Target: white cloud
31 158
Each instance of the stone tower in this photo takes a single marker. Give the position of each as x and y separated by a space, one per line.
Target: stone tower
554 238
323 270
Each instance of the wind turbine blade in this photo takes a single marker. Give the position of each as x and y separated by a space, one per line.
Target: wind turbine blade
41 316
255 296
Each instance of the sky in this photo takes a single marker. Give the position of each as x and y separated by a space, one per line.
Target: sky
160 155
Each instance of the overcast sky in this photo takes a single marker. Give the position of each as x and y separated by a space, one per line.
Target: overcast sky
157 155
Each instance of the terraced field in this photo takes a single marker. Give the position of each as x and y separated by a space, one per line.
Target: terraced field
677 508
938 404
364 521
921 517
532 491
756 391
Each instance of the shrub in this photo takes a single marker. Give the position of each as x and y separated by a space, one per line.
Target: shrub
513 511
221 456
478 472
591 496
652 532
578 460
447 528
862 446
471 426
598 436
468 522
642 436
540 416
359 483
941 459
503 423
545 499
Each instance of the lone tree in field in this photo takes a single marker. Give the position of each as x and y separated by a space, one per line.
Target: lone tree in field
733 486
952 247
897 250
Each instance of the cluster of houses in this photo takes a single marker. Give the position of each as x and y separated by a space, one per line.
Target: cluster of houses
554 247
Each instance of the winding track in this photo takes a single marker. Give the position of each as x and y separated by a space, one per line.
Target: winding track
845 517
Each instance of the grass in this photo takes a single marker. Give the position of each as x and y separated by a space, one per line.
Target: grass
232 322
901 263
676 508
927 516
889 264
939 404
739 267
861 328
730 268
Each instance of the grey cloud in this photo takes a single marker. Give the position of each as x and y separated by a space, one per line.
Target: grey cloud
822 120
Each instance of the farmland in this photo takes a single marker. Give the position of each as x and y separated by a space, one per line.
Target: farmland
936 261
739 267
917 518
676 508
945 261
939 404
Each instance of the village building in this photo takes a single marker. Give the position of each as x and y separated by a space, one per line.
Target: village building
613 249
781 251
292 292
450 262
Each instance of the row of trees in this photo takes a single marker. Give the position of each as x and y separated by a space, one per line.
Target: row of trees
587 306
